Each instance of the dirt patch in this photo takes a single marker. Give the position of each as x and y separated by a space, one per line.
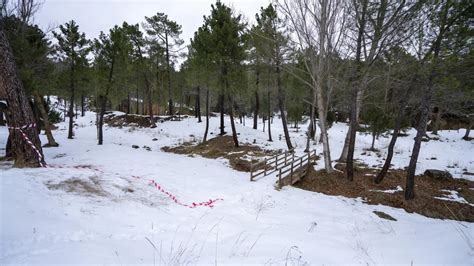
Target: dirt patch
426 190
120 121
89 187
223 147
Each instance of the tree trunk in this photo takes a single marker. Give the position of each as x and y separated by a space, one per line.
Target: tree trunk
356 95
168 69
281 106
437 121
83 102
257 106
18 113
420 132
47 126
128 103
2 120
207 116
311 130
138 103
396 130
372 147
103 105
198 101
70 133
232 123
148 92
468 130
221 106
269 115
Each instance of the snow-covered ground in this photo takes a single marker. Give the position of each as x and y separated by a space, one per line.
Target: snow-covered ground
131 222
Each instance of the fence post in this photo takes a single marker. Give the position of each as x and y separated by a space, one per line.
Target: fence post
291 171
265 168
251 172
276 161
279 179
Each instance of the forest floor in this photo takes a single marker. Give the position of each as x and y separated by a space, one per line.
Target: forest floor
101 204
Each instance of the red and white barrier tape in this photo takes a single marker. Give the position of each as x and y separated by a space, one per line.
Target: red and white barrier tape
209 203
25 137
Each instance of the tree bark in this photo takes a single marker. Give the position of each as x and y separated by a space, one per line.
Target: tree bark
311 130
103 104
437 121
355 82
128 103
281 106
269 115
2 120
207 116
420 132
168 69
232 123
396 130
468 129
138 103
257 104
221 107
148 92
18 112
83 100
198 103
70 133
47 126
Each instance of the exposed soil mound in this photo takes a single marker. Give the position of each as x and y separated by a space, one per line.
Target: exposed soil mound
120 121
223 146
390 192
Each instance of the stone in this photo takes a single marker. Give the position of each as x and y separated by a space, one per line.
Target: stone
438 174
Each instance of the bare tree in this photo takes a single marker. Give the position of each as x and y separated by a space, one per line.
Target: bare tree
318 26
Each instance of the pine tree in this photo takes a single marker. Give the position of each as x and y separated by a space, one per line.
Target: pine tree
73 48
164 33
222 41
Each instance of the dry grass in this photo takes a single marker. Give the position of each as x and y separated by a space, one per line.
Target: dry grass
90 187
426 190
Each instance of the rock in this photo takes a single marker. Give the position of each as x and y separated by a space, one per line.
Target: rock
154 139
147 148
383 215
438 174
135 146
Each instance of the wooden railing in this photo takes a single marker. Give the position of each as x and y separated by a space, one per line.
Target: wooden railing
300 165
270 165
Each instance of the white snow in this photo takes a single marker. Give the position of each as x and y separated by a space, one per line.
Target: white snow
255 224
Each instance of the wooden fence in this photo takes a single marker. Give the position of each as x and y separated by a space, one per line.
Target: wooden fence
282 162
298 167
270 165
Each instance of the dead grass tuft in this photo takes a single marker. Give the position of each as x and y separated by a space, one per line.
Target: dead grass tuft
90 187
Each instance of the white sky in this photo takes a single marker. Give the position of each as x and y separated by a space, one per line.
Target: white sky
101 15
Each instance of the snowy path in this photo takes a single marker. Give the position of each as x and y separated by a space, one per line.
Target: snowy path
133 223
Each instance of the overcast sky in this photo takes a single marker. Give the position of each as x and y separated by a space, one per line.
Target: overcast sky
94 16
